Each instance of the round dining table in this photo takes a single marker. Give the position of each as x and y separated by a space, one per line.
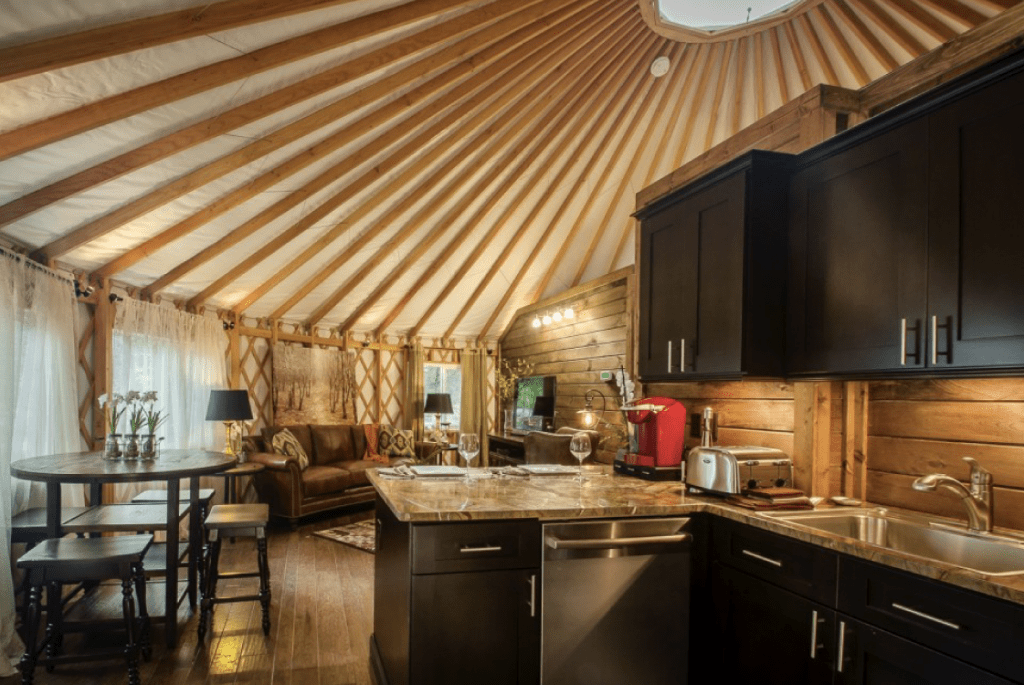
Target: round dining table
170 466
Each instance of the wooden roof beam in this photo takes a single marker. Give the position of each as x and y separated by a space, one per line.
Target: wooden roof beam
537 113
925 20
819 50
58 52
442 225
180 86
780 69
890 27
957 11
759 81
798 56
867 36
741 77
710 56
716 101
845 49
392 161
245 155
459 67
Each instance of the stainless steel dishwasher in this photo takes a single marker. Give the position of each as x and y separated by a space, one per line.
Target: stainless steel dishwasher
615 602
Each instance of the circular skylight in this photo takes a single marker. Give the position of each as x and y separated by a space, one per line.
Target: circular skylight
701 14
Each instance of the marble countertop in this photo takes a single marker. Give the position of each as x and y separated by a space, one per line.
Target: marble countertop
606 495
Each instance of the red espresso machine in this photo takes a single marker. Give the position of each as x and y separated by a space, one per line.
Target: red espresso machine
661 431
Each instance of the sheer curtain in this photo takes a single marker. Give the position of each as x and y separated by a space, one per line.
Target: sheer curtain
474 398
38 402
179 355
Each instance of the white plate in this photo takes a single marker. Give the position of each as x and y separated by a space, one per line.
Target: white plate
438 470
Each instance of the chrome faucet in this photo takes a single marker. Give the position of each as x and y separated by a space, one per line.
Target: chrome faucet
977 499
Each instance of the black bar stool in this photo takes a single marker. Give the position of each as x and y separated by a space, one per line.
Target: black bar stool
56 561
235 520
29 528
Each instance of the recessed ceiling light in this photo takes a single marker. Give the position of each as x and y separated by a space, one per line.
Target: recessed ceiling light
659 67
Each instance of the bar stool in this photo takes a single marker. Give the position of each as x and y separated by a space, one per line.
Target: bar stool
205 497
56 561
29 528
235 520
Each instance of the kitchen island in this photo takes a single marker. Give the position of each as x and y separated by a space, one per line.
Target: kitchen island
512 509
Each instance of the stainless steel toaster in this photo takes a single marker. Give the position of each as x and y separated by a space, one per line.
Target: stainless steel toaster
730 470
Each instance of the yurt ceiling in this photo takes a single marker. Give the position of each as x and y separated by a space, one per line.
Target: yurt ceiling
412 168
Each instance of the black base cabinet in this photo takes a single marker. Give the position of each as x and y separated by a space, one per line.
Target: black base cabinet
778 620
456 603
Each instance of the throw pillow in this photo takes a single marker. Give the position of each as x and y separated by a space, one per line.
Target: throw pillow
287 444
396 443
372 432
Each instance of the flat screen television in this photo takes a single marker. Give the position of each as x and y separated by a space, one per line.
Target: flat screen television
528 389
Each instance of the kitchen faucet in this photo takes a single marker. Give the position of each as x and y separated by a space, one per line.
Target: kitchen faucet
977 499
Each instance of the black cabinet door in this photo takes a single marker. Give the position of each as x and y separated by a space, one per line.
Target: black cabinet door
471 628
858 256
869 656
976 242
768 635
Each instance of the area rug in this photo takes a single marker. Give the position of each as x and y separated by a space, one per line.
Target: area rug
360 535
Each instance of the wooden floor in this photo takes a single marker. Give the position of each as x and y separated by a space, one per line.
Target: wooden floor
321 619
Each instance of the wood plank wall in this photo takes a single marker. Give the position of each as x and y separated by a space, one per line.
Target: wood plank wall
576 351
917 427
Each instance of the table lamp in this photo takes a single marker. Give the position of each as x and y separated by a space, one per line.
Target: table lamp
438 403
588 416
229 406
544 406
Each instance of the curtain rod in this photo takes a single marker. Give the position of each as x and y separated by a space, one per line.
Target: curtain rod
35 265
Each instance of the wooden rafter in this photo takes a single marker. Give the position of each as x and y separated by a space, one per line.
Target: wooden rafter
845 49
923 19
798 56
780 70
723 67
536 112
957 11
759 82
823 58
890 26
550 230
136 100
364 154
740 87
453 57
708 57
867 37
551 66
25 59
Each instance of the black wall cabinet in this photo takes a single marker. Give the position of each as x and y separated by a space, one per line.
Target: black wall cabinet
712 275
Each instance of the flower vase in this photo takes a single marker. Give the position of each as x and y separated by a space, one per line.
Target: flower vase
112 447
508 421
148 447
131 447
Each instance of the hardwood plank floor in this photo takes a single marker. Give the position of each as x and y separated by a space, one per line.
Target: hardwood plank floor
321 617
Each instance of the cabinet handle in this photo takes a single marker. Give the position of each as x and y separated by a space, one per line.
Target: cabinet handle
669 366
477 550
682 354
814 633
766 560
533 595
927 617
903 342
935 340
842 646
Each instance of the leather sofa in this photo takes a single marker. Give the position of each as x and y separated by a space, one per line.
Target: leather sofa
335 477
553 448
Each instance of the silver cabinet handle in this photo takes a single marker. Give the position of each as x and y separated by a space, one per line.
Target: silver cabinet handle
669 366
814 634
615 543
682 354
533 595
935 340
927 617
842 646
477 550
903 342
766 560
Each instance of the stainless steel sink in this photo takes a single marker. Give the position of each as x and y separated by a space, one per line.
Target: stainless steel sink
993 555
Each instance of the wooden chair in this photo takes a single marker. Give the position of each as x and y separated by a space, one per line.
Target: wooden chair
56 561
235 520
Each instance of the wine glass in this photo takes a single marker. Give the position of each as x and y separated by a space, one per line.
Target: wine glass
580 448
469 447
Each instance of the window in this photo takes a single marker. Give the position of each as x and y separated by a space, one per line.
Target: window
444 378
719 14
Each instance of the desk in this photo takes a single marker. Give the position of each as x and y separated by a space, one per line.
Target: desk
90 468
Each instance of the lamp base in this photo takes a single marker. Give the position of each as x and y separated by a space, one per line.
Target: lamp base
230 446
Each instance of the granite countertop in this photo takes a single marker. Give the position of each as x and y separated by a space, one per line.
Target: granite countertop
604 494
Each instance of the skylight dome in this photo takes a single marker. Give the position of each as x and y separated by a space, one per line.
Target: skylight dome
719 14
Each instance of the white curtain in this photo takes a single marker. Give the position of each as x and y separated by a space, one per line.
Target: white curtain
474 398
181 357
38 403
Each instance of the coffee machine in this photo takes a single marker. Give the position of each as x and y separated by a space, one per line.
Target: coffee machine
661 431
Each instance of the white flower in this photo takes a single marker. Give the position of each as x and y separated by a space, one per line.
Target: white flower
118 398
102 399
149 396
133 396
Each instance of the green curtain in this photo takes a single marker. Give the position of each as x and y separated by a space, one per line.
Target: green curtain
474 398
414 390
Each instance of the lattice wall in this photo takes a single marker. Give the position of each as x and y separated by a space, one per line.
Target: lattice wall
255 376
85 323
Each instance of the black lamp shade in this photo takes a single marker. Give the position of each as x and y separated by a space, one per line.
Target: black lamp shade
438 403
544 405
229 405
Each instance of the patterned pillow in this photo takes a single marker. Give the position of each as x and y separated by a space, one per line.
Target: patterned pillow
287 444
396 443
372 431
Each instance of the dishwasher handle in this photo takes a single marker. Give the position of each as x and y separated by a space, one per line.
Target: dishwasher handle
616 543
